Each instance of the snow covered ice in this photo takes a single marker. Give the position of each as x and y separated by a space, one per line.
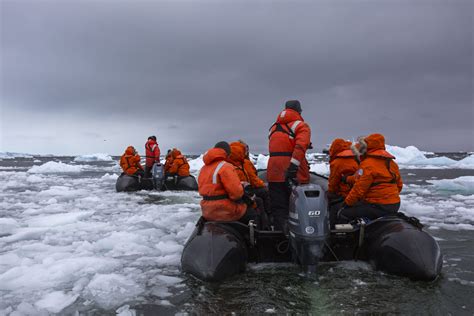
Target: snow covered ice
93 157
69 242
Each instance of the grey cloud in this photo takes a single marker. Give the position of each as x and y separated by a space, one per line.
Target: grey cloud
223 70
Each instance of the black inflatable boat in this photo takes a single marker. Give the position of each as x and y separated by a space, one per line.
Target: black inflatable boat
127 183
395 244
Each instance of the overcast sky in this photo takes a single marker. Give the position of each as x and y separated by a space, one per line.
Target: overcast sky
97 76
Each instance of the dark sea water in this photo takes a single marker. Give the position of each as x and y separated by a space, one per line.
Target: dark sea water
167 219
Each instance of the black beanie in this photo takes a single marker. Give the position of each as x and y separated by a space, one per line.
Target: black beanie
223 145
294 105
152 137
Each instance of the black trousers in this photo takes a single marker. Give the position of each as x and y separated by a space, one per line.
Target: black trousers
148 171
250 214
371 211
263 194
280 202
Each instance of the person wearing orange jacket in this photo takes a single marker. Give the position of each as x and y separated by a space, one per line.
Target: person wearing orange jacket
168 160
342 164
152 155
289 138
220 188
130 162
179 165
377 188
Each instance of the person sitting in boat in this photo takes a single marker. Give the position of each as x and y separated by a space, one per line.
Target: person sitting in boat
179 166
342 164
130 162
220 188
237 159
376 191
168 160
152 155
259 186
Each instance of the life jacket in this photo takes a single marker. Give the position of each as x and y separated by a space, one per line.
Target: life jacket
129 162
220 188
289 138
152 152
342 165
179 165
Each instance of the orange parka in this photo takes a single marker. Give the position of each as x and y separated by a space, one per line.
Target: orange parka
220 187
130 162
244 167
379 180
289 139
179 165
342 162
169 160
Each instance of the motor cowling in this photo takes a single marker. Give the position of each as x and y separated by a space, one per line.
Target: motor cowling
308 224
158 173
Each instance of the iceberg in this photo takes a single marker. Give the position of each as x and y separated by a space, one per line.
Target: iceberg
93 157
196 164
463 184
10 155
55 167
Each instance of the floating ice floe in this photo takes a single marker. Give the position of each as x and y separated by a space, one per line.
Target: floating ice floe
461 185
413 157
55 167
262 162
10 155
93 157
196 164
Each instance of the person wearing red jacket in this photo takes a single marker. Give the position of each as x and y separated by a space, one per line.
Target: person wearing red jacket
220 188
377 188
152 155
289 138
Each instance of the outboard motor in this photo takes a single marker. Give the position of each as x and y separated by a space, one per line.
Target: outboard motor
308 225
158 172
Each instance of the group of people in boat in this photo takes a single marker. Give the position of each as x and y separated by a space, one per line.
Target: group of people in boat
364 179
176 164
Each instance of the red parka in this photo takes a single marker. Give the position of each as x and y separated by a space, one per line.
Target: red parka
379 180
342 163
152 152
220 187
289 139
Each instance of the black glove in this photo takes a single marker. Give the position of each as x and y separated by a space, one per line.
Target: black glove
291 173
344 179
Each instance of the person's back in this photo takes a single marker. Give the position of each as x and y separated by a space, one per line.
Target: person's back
130 161
220 187
152 152
342 164
376 191
289 138
179 165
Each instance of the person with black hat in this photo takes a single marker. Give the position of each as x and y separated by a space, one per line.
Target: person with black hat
221 190
289 139
152 155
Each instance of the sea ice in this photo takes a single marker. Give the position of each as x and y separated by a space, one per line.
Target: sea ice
55 167
93 157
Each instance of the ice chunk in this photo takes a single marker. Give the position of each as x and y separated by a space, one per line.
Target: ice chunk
55 167
126 311
462 184
58 219
466 163
111 290
262 162
55 302
196 164
7 226
10 155
320 168
93 157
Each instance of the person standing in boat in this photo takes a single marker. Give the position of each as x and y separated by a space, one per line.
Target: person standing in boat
130 162
152 155
220 188
289 139
376 191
